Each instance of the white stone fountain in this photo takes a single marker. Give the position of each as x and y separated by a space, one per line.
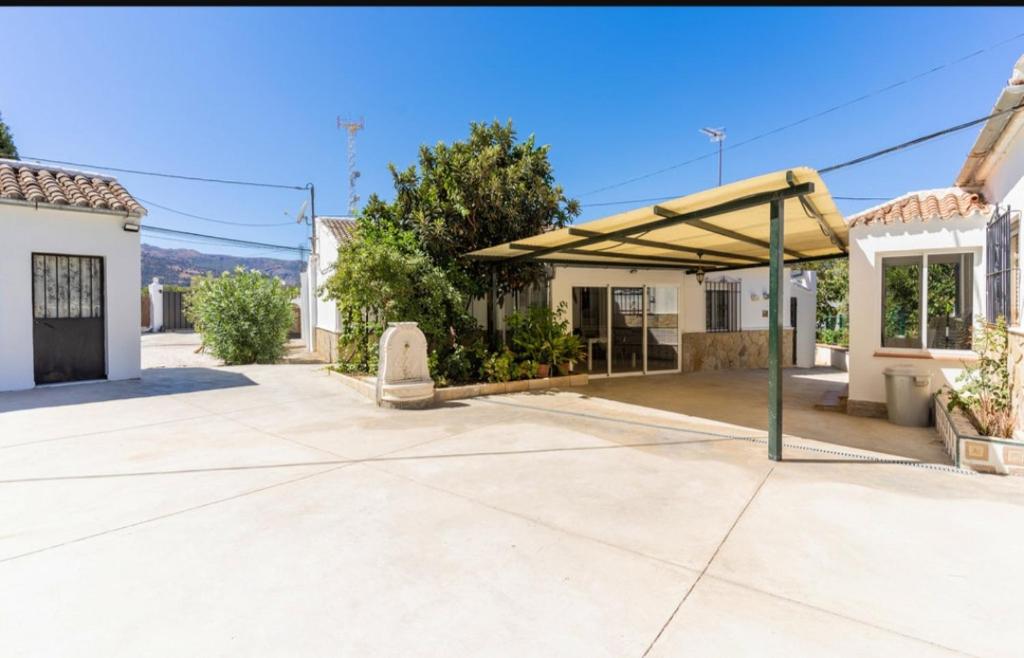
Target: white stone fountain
403 377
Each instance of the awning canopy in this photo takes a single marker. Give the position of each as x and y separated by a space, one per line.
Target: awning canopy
722 228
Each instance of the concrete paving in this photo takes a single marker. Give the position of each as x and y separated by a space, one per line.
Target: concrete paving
271 511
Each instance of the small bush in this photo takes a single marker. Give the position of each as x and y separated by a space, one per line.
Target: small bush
243 317
985 388
839 336
499 366
542 335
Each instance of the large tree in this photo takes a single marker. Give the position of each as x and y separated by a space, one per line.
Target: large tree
476 193
7 147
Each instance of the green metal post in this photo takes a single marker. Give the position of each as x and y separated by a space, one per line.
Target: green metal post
775 264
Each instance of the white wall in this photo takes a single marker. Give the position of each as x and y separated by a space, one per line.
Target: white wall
24 230
327 255
868 244
1004 172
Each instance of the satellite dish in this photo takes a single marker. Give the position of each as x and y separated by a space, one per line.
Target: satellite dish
301 215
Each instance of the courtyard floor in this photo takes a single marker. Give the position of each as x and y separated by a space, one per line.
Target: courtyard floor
271 511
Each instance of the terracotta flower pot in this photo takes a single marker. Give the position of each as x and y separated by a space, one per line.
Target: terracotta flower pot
543 370
564 369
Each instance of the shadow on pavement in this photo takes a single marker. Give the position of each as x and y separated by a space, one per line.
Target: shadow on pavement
154 382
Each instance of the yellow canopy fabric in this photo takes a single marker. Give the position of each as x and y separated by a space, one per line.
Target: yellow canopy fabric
723 227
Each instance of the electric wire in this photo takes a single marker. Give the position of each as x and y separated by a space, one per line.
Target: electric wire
202 179
811 117
210 219
224 239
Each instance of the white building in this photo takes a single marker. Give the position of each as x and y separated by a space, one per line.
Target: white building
329 234
663 320
70 277
917 285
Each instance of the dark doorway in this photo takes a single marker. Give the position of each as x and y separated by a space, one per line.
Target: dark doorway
792 321
68 336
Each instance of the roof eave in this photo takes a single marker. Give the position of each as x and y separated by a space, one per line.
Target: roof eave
35 205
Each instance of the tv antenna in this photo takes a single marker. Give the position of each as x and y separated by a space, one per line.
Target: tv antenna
716 135
352 127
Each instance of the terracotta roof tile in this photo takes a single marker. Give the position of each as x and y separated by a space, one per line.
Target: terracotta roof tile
23 181
944 203
343 229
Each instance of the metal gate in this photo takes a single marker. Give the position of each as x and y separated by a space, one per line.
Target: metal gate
174 310
998 266
68 339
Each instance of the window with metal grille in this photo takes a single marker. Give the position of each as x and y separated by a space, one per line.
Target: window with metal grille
722 306
998 267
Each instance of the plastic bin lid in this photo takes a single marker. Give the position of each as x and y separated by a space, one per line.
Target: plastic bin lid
906 371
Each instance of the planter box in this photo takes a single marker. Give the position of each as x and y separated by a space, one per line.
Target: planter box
967 449
832 356
366 385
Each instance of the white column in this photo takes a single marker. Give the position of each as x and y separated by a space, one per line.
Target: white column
156 305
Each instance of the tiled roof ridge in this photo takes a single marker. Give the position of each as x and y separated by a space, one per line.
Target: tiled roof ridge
64 188
923 205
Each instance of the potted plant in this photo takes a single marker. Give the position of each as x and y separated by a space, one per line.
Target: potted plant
539 335
568 351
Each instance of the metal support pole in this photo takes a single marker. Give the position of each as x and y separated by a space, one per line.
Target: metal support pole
776 294
492 323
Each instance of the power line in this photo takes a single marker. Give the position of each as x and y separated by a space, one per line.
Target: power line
864 158
210 243
210 219
811 117
917 140
223 239
201 179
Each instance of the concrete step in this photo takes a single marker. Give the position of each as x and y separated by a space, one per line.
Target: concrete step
833 400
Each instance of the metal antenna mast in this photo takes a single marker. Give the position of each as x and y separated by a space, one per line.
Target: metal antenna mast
716 135
352 127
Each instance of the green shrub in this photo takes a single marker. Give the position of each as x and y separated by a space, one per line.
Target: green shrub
243 317
985 388
839 336
499 366
539 334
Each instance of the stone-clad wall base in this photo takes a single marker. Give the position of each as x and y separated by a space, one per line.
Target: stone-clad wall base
732 350
326 345
1016 350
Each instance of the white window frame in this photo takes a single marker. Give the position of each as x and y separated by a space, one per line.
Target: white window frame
977 308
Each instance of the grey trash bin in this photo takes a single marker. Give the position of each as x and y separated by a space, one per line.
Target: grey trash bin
908 395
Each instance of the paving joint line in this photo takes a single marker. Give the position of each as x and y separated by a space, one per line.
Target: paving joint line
833 613
703 571
899 461
185 511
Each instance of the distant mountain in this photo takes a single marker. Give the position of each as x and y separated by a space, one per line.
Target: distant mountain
178 266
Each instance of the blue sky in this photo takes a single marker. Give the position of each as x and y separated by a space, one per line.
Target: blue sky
617 93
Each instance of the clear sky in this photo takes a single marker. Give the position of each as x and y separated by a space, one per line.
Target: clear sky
617 93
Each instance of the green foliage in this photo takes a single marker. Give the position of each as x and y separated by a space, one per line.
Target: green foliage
840 336
542 335
407 261
902 289
499 366
833 303
384 276
243 317
985 389
477 193
7 147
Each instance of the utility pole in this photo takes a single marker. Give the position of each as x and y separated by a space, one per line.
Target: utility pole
352 127
716 135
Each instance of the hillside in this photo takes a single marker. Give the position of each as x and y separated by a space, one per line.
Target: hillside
178 266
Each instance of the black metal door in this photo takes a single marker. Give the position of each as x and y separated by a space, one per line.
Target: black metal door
792 322
67 308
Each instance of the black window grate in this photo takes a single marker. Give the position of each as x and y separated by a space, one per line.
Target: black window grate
998 294
722 306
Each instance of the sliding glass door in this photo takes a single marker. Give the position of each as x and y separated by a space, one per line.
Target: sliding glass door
627 330
662 328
